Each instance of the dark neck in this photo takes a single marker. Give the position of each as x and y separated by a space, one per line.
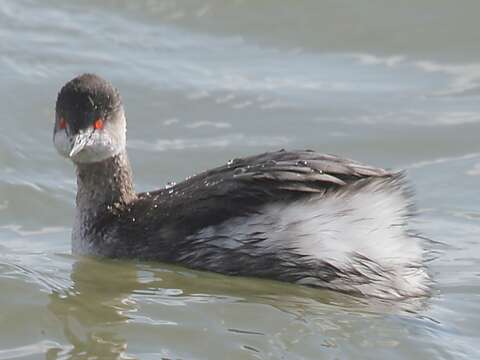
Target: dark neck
106 183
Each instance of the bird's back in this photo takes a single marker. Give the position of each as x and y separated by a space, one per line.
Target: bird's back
302 217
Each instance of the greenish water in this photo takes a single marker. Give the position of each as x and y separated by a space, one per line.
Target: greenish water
392 84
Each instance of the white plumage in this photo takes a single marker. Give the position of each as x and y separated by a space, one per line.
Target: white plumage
360 231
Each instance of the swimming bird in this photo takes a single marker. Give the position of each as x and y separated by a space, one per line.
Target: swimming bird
298 216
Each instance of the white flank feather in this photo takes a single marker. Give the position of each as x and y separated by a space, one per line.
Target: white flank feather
361 232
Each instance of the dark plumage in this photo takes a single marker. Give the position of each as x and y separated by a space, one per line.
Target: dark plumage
239 188
297 216
85 99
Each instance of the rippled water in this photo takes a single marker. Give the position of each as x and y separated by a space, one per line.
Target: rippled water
393 84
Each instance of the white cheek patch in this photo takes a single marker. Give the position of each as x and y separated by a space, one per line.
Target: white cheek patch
62 143
99 145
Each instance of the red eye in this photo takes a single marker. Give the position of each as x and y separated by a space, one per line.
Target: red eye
98 124
62 124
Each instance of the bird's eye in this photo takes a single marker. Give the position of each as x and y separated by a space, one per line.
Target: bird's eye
62 123
98 124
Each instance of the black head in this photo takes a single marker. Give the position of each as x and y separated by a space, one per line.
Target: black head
86 98
90 122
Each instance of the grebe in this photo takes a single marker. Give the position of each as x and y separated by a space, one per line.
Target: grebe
297 216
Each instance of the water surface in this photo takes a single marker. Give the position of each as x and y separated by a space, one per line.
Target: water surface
391 84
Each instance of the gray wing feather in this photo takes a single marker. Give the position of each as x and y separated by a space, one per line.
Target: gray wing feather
304 171
293 171
242 186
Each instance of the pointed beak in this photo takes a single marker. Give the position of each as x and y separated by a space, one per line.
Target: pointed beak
79 143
